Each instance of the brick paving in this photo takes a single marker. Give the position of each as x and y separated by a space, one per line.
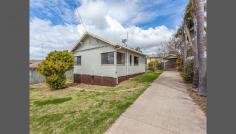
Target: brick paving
164 108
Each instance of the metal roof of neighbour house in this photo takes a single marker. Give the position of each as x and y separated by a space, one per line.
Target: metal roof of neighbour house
170 56
108 42
34 63
153 56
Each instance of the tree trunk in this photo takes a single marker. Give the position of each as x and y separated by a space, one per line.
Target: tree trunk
195 67
188 35
195 62
185 47
199 8
193 43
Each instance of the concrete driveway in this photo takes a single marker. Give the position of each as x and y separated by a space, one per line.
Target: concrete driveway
164 108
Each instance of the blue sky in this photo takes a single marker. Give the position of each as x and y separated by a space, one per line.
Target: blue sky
54 24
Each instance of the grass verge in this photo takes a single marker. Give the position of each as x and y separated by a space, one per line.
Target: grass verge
81 108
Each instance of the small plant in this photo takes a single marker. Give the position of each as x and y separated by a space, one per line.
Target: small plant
160 65
152 65
54 67
179 63
188 72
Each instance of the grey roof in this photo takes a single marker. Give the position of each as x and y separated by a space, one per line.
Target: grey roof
170 56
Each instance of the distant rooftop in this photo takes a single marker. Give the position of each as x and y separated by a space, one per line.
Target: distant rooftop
34 63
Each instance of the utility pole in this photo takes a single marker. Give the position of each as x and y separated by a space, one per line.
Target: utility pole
127 38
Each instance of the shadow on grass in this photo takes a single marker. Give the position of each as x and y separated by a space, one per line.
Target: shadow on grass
52 101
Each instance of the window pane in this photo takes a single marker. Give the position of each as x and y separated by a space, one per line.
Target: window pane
130 59
107 58
78 60
110 58
120 58
136 60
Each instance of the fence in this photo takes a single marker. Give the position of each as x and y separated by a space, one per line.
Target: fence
35 77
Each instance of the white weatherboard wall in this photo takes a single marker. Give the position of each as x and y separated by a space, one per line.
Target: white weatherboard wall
90 52
127 69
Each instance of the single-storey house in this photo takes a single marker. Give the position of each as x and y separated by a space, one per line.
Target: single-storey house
101 62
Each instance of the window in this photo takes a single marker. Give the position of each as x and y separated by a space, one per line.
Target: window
78 60
107 58
130 60
120 58
136 60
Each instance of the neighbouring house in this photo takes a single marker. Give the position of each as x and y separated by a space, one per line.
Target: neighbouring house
33 63
101 62
170 62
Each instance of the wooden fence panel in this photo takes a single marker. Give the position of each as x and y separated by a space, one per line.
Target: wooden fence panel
35 77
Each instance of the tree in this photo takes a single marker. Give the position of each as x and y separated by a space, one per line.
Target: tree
54 67
202 48
185 45
196 61
190 30
179 63
188 71
152 65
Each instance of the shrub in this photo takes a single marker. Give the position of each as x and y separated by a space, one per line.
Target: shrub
152 65
188 71
160 66
54 67
179 63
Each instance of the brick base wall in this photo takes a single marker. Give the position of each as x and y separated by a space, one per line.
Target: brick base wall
94 80
101 80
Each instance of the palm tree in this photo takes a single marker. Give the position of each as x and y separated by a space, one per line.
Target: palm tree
196 62
185 45
190 23
199 11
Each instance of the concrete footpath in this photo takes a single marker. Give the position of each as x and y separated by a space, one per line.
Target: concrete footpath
164 108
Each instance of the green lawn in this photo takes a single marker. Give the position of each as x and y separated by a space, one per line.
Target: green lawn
81 108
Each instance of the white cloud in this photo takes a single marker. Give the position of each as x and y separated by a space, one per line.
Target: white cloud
125 11
108 19
45 37
61 37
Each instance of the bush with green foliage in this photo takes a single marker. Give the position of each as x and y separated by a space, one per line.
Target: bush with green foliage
160 65
54 67
179 63
152 65
188 72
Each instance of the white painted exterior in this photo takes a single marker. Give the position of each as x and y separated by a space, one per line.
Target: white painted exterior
90 51
127 69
